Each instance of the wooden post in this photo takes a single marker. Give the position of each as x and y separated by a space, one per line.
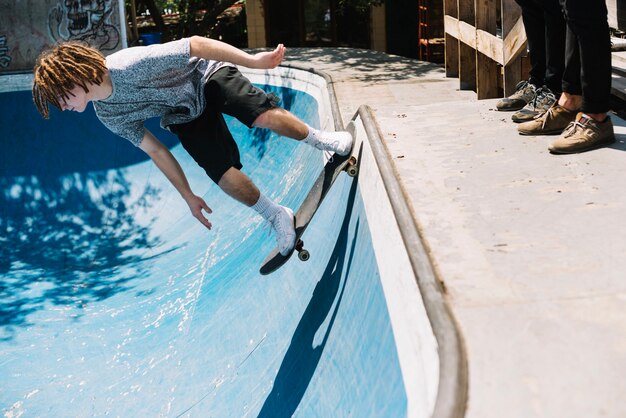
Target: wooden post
451 8
467 53
487 70
471 36
514 37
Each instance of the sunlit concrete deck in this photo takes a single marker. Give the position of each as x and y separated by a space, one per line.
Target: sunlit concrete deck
529 246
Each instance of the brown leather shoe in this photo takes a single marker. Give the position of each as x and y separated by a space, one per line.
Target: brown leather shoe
584 134
550 123
524 94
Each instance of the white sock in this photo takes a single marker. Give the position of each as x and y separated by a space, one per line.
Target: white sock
265 207
313 135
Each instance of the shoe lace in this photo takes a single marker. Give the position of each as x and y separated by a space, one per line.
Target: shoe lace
572 128
274 224
549 113
279 224
268 227
544 95
522 85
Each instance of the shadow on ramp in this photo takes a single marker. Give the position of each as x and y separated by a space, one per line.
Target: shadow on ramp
302 357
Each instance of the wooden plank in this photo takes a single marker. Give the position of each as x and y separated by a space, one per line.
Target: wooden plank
514 43
466 10
452 56
451 26
512 75
489 45
451 9
450 20
470 30
486 18
488 49
511 13
467 34
485 42
467 51
467 67
487 77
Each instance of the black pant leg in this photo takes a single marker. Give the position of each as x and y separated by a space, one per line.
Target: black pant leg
534 25
588 31
555 30
571 73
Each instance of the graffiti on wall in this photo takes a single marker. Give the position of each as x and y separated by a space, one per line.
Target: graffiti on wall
5 59
84 20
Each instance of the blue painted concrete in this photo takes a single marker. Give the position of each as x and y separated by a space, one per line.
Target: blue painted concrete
114 301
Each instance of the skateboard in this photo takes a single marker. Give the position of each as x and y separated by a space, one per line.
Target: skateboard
335 165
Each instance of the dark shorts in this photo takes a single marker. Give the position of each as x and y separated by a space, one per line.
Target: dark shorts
207 138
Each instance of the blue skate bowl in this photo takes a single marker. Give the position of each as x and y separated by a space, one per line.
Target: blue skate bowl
115 301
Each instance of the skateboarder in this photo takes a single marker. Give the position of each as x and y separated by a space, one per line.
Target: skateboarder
189 83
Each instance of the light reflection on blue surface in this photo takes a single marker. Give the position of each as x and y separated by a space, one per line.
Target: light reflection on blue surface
115 301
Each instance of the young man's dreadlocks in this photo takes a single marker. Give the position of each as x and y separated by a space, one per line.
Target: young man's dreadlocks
63 67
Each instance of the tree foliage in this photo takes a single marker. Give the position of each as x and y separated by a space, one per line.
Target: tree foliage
195 17
199 17
360 4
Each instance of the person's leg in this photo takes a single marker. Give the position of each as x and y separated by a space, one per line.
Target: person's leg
231 93
208 140
588 29
553 55
571 99
559 116
571 102
282 122
555 36
588 22
286 124
241 188
526 90
535 28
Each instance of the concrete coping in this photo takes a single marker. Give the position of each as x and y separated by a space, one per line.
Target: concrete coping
451 398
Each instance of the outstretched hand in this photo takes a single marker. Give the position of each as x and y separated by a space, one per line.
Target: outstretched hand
196 205
271 59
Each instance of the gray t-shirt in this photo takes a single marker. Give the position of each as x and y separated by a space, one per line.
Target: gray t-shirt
160 80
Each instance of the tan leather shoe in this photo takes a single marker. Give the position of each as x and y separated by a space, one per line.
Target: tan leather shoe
550 123
584 134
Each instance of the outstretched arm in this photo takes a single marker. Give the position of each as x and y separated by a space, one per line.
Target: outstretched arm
166 162
219 51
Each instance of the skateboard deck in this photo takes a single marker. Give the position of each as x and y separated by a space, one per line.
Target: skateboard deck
335 165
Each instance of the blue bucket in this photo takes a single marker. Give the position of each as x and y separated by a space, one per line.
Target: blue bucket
150 38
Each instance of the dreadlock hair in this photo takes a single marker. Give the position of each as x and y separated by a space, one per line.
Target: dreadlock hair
60 69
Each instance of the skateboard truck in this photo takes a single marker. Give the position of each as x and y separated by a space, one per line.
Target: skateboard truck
303 254
352 168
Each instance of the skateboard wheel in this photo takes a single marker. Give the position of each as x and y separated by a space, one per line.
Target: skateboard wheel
304 255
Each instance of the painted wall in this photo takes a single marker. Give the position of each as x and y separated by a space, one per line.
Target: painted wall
28 27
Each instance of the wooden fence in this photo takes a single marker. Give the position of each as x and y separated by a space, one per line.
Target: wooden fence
485 40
